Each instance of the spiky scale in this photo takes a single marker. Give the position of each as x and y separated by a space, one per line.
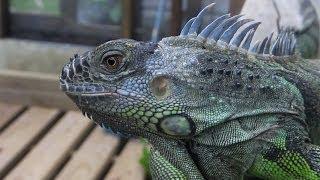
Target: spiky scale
255 48
216 34
239 39
247 42
230 32
268 45
185 29
262 46
207 30
198 20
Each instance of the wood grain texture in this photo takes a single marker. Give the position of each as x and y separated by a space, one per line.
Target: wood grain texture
69 10
127 165
193 8
7 111
95 154
48 155
19 135
236 6
31 88
127 26
176 17
57 29
4 17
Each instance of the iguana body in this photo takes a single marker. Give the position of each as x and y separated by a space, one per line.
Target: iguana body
210 107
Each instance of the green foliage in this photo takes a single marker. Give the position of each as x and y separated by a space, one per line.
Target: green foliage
145 159
100 11
35 6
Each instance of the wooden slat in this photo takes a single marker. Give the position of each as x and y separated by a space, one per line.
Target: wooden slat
193 9
128 7
33 89
93 156
69 10
7 111
4 17
236 6
176 17
127 165
19 135
53 28
48 155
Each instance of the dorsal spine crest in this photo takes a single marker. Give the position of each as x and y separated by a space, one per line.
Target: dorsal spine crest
234 33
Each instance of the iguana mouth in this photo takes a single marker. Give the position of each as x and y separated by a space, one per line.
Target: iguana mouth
100 94
87 89
94 90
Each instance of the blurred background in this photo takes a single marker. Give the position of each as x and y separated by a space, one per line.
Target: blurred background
41 136
92 22
38 36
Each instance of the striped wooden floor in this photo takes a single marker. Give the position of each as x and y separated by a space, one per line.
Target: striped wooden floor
38 143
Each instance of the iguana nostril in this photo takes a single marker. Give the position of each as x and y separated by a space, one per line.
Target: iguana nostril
160 87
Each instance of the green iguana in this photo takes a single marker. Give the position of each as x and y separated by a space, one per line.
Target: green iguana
211 105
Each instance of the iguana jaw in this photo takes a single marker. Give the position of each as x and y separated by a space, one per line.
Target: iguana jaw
108 119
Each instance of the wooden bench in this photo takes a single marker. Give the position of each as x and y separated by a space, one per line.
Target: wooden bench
42 143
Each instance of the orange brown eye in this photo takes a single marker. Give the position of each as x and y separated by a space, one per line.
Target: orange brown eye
112 61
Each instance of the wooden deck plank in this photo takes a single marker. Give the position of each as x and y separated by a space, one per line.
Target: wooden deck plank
127 166
92 157
33 88
45 158
7 111
20 134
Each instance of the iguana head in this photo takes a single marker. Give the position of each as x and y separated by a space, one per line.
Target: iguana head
168 88
133 87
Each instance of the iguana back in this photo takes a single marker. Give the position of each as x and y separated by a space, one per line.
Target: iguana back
306 76
301 72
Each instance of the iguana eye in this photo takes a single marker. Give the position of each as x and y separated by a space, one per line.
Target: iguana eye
112 61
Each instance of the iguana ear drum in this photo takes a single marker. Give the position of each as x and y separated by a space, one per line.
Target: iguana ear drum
160 87
177 125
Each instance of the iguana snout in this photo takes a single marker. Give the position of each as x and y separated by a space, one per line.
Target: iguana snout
75 77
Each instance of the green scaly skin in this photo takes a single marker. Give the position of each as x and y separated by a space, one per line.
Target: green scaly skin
210 111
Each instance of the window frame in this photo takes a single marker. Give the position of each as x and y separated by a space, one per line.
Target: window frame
64 28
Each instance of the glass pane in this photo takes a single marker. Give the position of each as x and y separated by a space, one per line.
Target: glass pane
147 13
50 7
220 8
99 12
